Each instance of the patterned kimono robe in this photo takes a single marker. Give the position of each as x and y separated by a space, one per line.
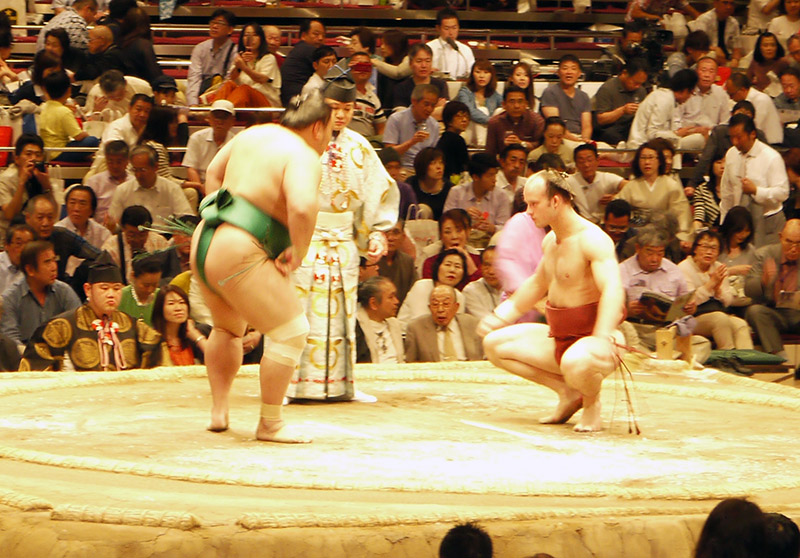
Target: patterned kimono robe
73 335
356 197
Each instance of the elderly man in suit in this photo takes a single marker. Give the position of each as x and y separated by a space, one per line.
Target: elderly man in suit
775 274
379 336
443 335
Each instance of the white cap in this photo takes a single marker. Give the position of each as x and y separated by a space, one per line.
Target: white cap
223 105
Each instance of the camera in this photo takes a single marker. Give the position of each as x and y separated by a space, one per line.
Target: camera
41 166
650 50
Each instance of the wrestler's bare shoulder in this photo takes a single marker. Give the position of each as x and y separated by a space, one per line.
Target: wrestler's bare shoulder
595 242
268 142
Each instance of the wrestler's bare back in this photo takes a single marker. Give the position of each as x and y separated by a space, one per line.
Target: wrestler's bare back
567 265
262 164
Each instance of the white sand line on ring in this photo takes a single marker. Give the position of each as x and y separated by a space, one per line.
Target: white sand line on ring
500 429
341 430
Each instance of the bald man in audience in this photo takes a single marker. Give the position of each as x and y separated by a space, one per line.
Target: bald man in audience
443 335
104 55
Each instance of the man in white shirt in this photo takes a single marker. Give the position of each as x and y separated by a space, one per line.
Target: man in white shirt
709 105
755 177
657 118
111 96
128 129
160 196
512 166
450 57
106 183
593 190
322 59
443 335
379 337
481 297
206 143
768 121
81 203
723 30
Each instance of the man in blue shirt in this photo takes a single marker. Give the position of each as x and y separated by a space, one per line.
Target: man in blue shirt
411 130
34 299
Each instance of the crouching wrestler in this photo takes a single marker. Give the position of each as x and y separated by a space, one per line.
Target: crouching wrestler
580 277
257 225
95 336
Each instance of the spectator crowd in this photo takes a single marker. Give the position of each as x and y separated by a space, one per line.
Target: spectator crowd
459 142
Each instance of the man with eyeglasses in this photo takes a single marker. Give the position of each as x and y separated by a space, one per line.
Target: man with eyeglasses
774 285
212 57
617 225
793 51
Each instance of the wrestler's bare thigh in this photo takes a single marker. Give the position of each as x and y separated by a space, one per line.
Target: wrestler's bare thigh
588 354
259 295
527 343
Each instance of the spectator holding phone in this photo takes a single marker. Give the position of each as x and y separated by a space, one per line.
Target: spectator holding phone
23 180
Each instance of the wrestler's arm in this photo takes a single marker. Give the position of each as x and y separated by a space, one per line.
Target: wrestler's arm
599 250
301 178
215 173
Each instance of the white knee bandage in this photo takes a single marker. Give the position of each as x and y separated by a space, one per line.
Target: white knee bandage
288 341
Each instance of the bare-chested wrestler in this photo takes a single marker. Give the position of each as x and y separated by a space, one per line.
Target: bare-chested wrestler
580 277
255 232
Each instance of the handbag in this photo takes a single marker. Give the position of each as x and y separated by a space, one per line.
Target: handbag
214 81
422 232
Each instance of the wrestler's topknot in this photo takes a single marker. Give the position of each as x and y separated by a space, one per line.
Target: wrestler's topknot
304 110
557 183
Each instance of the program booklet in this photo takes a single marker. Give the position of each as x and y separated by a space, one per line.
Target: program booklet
661 309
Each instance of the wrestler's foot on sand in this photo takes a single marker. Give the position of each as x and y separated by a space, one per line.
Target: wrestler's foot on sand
567 406
280 432
591 420
219 421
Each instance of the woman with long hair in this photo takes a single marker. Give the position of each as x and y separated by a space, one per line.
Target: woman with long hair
136 45
394 67
738 252
705 203
767 58
522 77
255 79
56 42
185 342
481 97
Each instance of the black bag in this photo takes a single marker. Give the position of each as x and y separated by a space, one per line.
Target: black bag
710 305
216 79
